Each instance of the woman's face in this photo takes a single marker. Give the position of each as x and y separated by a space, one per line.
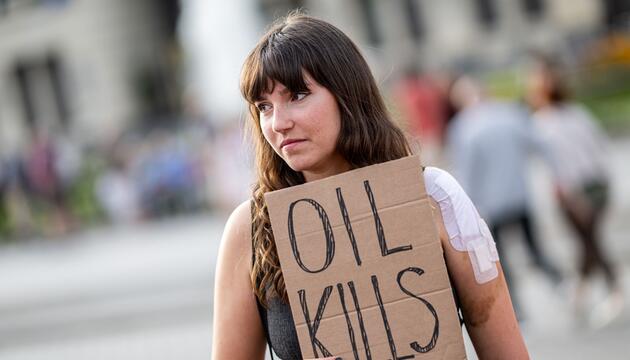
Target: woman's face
537 87
303 128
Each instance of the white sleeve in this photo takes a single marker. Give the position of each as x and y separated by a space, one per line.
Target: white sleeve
466 230
461 219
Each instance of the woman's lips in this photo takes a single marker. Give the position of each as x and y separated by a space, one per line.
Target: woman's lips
291 143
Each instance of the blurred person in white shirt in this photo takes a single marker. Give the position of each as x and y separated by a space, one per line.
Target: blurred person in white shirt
575 150
116 189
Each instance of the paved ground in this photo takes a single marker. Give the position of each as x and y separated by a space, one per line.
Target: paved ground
145 292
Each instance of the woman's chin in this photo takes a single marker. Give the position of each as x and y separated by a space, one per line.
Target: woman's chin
299 165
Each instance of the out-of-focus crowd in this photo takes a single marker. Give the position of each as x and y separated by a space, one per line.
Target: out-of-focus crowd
487 144
55 186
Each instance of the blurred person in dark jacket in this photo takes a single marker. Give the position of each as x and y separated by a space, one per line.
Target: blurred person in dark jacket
489 142
575 146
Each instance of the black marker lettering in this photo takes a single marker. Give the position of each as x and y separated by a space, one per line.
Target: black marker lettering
436 329
312 327
379 226
368 353
388 330
346 221
350 330
330 238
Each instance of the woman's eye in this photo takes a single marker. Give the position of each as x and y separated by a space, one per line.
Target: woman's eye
263 107
299 96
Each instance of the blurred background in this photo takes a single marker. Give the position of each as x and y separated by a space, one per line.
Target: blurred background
121 155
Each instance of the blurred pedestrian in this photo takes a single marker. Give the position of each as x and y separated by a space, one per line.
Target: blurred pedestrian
424 107
115 188
489 143
43 183
575 146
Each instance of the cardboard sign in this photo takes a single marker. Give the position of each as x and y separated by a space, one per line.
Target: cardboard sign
363 266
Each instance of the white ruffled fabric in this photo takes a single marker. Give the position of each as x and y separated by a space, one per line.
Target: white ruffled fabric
467 231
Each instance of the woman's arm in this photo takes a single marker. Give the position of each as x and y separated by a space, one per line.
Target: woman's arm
237 329
487 308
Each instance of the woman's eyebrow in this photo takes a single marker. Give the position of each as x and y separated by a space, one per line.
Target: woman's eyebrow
263 96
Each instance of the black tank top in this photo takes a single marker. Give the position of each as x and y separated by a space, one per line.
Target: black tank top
278 325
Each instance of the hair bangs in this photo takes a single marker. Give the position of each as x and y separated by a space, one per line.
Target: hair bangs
295 49
276 62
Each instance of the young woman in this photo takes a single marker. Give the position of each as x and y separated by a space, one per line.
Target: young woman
316 111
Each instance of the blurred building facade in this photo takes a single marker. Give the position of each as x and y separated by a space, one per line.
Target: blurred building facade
91 68
83 68
392 34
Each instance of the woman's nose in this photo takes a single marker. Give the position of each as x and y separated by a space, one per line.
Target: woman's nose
282 120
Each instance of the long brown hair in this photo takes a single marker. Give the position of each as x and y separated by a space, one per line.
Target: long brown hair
293 45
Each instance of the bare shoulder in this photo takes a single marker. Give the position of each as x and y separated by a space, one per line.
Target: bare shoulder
240 216
236 241
235 312
238 226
